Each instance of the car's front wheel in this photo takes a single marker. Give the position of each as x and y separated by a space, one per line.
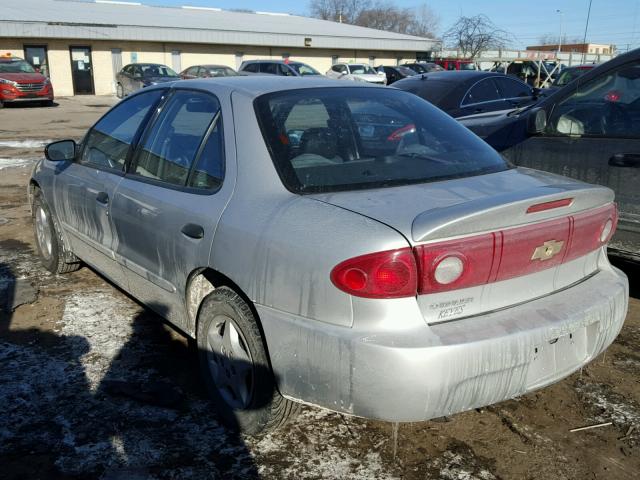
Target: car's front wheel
53 255
235 366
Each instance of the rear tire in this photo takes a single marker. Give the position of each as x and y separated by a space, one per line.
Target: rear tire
235 366
51 249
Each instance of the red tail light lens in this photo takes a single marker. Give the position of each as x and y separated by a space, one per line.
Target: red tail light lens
390 274
476 260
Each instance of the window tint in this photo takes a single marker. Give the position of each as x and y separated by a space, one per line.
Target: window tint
483 91
510 88
209 169
330 139
170 147
107 143
608 106
252 67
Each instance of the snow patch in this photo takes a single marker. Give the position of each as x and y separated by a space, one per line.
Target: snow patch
16 162
24 143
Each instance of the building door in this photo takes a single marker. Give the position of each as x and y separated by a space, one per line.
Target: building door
36 55
116 64
82 70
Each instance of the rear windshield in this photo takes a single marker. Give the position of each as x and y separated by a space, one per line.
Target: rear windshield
333 139
15 66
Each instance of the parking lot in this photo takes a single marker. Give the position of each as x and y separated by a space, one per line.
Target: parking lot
93 385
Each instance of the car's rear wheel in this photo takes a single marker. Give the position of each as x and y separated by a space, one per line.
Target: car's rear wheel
119 91
235 366
53 254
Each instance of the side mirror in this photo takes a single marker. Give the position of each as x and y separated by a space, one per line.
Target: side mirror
536 121
64 150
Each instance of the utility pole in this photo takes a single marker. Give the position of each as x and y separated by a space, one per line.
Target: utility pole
560 37
586 27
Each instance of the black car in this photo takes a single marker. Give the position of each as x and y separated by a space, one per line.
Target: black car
589 130
396 73
461 93
139 75
424 67
207 71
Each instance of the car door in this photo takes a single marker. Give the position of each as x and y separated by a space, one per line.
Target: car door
84 188
167 206
593 134
482 96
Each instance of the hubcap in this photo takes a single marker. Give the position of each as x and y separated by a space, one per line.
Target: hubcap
230 362
43 232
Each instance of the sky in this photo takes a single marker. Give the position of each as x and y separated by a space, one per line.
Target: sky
611 22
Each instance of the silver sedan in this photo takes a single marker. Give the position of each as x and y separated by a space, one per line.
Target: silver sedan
341 245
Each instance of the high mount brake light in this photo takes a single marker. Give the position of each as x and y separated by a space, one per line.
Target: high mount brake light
478 259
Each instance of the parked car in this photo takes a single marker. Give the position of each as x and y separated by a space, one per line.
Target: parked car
358 72
404 278
567 75
19 82
456 64
587 130
424 67
470 92
286 68
135 76
396 73
207 71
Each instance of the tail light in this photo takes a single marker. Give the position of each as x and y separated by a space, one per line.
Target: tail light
476 260
390 274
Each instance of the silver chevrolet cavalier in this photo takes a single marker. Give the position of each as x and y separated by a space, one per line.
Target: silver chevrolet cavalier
341 245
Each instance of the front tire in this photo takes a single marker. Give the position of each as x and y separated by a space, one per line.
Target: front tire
235 366
51 250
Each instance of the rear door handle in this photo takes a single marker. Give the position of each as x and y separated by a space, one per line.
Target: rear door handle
192 230
102 198
625 160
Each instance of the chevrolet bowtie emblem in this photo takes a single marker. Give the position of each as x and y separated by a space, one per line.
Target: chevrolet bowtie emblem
547 250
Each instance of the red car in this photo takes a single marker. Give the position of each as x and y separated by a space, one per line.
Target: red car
20 82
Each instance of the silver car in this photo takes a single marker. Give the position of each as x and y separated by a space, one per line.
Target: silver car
336 244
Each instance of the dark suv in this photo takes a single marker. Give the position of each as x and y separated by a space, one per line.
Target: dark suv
277 67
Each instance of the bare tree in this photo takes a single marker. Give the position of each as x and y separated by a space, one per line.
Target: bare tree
474 35
550 39
421 21
346 11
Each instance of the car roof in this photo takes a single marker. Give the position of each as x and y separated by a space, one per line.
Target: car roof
254 85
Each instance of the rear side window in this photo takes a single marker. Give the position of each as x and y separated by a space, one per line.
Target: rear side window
108 142
169 149
483 91
332 139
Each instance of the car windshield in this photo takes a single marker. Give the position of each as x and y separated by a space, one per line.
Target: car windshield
221 72
467 66
157 71
417 68
333 139
407 71
361 70
15 66
303 69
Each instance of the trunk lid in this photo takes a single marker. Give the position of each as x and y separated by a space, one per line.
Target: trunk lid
433 213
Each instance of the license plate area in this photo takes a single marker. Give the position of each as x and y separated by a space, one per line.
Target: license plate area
560 356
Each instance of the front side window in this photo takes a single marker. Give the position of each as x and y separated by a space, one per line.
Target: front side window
483 91
252 67
331 139
605 106
285 70
303 69
108 142
270 68
169 149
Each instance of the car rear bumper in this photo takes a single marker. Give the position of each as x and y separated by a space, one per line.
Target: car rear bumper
421 373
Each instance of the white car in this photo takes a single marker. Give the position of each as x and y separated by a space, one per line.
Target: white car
357 72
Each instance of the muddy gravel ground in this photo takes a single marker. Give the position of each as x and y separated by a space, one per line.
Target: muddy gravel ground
93 385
